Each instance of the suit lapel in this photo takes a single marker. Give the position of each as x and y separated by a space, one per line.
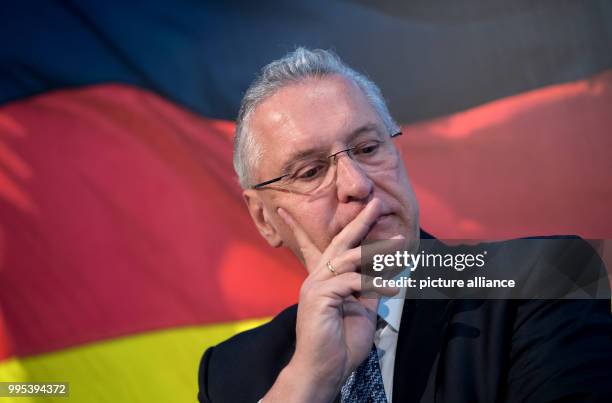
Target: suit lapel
418 345
419 341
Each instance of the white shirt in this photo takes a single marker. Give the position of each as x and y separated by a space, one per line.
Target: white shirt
385 338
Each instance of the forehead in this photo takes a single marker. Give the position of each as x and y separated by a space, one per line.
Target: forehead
311 113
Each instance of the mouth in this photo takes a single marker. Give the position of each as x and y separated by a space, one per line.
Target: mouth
383 218
380 226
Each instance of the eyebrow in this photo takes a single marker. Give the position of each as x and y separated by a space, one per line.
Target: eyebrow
304 154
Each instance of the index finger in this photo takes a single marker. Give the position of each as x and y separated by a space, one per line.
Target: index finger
354 232
310 252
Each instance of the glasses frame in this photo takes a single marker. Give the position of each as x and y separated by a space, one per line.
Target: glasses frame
261 185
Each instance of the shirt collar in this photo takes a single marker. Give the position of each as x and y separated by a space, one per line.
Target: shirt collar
390 308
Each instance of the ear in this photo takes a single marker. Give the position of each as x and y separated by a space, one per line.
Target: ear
261 218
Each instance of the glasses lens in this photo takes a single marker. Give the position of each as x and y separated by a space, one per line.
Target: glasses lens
313 177
375 156
309 176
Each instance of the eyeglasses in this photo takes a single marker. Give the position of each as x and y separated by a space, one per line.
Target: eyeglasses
314 175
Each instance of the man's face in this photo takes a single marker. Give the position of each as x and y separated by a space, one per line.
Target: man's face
324 116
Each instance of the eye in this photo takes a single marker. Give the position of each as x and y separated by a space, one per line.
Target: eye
367 148
309 172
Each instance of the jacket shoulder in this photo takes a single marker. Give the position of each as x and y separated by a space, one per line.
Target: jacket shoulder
245 366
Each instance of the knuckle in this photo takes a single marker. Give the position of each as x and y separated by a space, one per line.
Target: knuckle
355 254
351 257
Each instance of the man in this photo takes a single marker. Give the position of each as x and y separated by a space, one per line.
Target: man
321 175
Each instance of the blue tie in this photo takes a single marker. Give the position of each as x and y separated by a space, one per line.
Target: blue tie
365 384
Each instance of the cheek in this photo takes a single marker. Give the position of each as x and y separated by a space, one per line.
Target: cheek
315 217
396 184
317 220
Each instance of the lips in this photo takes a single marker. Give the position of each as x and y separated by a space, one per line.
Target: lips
383 217
380 223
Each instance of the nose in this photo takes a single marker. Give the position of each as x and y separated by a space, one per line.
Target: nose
352 183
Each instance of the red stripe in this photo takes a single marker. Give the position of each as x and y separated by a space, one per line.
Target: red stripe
532 164
5 350
124 217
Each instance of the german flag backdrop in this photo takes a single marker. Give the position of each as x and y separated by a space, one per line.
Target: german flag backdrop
125 248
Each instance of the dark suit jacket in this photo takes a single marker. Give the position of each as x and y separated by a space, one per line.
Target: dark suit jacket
449 351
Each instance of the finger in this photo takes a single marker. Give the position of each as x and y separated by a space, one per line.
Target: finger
352 259
348 261
372 289
347 284
310 252
354 232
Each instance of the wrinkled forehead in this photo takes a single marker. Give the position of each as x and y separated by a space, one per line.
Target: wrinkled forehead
316 113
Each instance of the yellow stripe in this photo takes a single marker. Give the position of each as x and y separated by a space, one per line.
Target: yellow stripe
158 366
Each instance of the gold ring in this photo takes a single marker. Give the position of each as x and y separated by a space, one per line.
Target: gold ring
331 268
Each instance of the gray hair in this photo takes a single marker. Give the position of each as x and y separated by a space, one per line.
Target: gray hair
294 67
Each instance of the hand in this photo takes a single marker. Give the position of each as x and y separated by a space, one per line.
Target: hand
335 324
